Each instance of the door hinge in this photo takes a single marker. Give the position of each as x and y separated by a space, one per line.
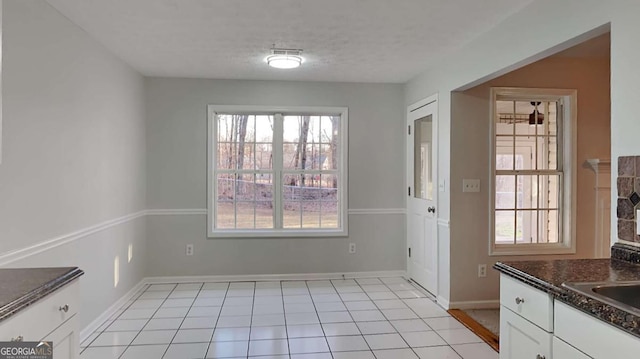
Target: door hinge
409 252
409 190
409 130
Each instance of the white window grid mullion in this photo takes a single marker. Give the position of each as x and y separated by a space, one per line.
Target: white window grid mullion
513 165
255 202
527 172
277 150
538 198
310 172
536 159
548 160
321 202
255 163
235 203
300 202
212 163
242 172
560 212
302 174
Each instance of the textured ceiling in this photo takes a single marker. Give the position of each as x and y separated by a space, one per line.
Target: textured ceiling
343 40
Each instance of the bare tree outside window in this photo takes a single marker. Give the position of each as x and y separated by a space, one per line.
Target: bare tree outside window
295 187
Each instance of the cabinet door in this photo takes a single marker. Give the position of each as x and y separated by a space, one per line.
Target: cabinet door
520 339
65 340
565 351
592 336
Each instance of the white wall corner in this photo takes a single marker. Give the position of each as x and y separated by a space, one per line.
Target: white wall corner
111 311
443 302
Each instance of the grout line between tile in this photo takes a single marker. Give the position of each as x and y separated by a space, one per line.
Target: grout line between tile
183 319
306 283
282 296
215 325
148 320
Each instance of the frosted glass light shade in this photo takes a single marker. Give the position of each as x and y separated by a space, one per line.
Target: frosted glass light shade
284 61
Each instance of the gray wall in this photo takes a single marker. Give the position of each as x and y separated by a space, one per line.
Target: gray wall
73 152
176 150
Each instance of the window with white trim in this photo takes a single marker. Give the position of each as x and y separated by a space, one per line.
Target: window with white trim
277 172
533 164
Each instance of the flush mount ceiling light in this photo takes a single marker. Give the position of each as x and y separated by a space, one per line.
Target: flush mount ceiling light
285 58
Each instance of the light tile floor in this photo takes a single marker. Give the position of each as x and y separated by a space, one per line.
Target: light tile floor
372 318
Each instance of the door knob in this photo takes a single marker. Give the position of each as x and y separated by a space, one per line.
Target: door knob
431 209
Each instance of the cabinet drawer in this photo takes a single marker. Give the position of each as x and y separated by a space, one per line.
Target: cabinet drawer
532 304
593 336
563 350
41 318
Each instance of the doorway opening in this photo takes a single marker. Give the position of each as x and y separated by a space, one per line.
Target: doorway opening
585 68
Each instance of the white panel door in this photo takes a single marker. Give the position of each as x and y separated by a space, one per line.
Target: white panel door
422 251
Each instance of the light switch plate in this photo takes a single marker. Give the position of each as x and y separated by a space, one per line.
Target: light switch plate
470 185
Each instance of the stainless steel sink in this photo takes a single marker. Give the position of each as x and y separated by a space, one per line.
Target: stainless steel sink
622 295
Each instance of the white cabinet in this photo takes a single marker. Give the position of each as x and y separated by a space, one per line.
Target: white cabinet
65 340
592 336
565 351
521 339
53 318
526 321
535 326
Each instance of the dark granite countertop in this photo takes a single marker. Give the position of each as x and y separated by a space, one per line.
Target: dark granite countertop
21 287
548 275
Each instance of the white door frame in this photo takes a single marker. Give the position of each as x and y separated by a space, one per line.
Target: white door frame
411 109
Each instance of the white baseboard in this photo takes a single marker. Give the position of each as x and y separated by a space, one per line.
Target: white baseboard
443 222
273 277
443 302
95 324
476 304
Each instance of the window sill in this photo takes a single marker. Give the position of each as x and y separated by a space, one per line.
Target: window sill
256 234
530 250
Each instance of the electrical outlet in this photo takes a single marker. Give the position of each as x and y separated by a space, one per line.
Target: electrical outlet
352 248
482 270
189 250
470 185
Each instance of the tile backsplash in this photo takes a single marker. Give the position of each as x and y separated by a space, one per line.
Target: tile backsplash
628 197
